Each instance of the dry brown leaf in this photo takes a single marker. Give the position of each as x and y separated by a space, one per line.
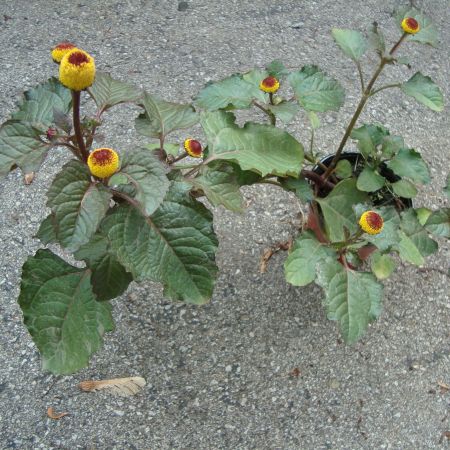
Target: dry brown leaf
55 416
445 434
444 387
119 386
28 178
269 252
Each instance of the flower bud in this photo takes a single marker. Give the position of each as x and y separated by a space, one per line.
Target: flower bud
410 25
371 222
270 85
77 70
193 148
103 162
60 50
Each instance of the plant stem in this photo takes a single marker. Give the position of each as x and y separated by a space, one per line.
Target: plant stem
77 125
361 76
365 96
179 158
313 176
387 86
273 119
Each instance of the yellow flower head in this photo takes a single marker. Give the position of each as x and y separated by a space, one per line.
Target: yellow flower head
371 222
270 85
410 25
103 162
77 70
193 148
60 50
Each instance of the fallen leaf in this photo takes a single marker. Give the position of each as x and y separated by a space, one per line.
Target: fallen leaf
55 416
295 372
28 178
269 252
445 434
444 387
119 386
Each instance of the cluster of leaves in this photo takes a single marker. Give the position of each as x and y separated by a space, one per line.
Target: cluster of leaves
146 223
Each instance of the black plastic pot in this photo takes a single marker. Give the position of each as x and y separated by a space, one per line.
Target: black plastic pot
353 158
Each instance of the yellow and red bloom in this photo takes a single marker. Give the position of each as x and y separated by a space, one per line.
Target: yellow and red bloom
193 148
60 50
270 85
371 222
77 70
103 162
410 25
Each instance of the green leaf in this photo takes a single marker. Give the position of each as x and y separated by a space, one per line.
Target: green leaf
307 252
447 186
428 32
352 42
344 169
78 204
315 90
337 208
376 39
261 148
40 103
145 172
161 117
175 246
408 251
425 91
369 137
352 298
277 69
299 186
107 92
232 92
409 163
109 278
170 149
60 311
220 184
47 230
438 223
423 214
314 120
255 77
285 111
382 265
20 145
391 145
369 180
417 233
404 188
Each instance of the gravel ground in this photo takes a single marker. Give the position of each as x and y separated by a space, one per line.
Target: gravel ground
220 376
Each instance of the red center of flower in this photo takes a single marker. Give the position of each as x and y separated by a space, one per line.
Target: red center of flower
78 58
102 157
195 147
412 23
374 220
65 45
270 81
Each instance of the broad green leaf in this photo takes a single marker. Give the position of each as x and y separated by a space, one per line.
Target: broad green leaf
145 172
315 90
425 91
255 77
438 223
47 230
391 145
109 278
161 117
175 246
40 103
20 145
404 188
277 69
232 92
307 252
417 233
408 251
61 313
107 92
352 298
382 265
369 137
314 120
285 111
220 184
344 169
352 42
428 32
370 180
409 163
376 39
423 214
170 149
337 208
261 148
78 204
299 186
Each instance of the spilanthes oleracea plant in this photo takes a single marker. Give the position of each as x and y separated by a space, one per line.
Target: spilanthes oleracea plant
142 215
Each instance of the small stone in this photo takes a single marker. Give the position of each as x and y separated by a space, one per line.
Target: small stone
119 413
228 368
183 6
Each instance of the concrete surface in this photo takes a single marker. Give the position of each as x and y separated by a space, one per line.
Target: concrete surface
220 376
